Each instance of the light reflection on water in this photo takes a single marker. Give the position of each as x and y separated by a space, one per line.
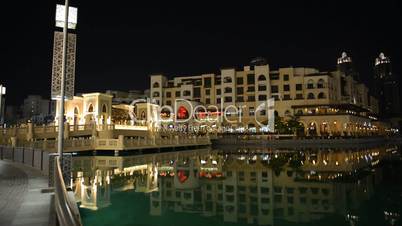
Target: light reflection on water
255 187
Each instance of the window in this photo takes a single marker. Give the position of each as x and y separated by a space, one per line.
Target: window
299 86
274 89
104 109
197 92
227 80
186 93
251 98
310 84
286 87
320 83
251 111
286 97
218 91
239 99
262 78
156 94
290 200
168 102
240 90
262 97
168 94
285 77
274 76
264 190
262 88
207 92
277 189
177 94
207 82
299 96
310 96
228 90
207 101
277 198
218 100
289 190
303 190
240 81
276 97
250 89
155 85
229 188
321 96
250 79
228 99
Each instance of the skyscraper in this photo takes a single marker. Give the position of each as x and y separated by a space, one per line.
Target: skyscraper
387 88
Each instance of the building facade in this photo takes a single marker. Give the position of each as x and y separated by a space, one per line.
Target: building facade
37 109
387 89
325 102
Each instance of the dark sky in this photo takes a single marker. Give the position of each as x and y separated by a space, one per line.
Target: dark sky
120 44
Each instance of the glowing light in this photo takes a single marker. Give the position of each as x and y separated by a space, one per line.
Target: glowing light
60 16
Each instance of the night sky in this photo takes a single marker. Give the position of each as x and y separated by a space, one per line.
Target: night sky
120 44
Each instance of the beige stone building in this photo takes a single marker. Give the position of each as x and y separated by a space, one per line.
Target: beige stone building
325 102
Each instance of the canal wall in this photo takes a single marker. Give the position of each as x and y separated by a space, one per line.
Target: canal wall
35 158
231 142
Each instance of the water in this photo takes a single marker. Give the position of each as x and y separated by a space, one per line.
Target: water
243 187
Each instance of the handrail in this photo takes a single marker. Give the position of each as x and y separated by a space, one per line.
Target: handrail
67 215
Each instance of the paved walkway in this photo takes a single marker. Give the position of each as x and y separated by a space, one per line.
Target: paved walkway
22 201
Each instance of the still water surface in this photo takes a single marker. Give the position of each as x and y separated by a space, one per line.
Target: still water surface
243 187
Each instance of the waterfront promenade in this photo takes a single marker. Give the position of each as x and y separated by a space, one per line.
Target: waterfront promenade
23 200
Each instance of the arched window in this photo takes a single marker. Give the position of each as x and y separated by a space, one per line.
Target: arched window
76 112
276 113
156 94
228 90
227 80
104 109
310 96
320 83
310 84
155 85
321 95
262 78
90 108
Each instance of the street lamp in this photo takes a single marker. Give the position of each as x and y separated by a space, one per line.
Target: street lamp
66 17
2 103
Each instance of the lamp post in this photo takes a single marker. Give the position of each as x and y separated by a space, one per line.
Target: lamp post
2 104
60 141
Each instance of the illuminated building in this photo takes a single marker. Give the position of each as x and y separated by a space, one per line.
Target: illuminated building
326 102
387 88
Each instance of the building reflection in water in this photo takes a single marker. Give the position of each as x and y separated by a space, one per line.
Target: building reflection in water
245 186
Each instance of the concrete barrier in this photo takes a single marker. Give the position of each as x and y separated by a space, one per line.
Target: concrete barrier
36 158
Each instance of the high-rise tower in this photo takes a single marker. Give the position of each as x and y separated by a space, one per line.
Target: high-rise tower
386 87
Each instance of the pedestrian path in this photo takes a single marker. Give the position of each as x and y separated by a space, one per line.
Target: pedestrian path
22 200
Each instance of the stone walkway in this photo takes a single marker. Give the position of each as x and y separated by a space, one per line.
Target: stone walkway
22 201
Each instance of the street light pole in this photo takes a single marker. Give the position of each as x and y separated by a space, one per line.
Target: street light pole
60 142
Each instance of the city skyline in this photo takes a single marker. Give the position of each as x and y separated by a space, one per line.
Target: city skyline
129 44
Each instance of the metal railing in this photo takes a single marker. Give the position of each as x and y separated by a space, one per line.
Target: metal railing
66 208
